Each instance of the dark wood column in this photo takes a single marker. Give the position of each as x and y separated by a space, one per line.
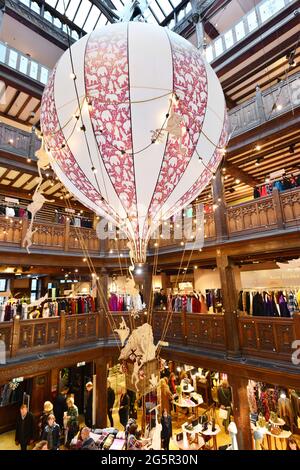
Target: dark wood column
230 299
241 411
102 291
220 207
143 280
101 392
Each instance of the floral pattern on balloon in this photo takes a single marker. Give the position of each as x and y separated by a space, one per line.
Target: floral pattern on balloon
190 86
206 175
107 89
55 139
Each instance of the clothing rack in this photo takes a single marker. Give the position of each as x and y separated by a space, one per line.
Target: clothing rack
284 175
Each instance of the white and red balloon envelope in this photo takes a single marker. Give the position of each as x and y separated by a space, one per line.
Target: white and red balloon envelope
126 75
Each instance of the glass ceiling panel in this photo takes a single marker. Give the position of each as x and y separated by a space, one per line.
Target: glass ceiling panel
156 11
92 20
72 8
87 18
82 13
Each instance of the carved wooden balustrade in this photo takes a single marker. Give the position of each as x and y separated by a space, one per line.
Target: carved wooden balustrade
188 329
267 337
251 217
259 337
280 211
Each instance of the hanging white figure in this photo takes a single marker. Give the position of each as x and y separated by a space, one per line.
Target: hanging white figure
123 331
132 11
43 160
140 348
37 203
38 302
27 242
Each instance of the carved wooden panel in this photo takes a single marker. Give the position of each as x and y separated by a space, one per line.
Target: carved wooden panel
39 336
285 336
6 334
248 334
91 326
290 202
53 332
26 336
173 328
266 337
81 328
205 333
192 329
70 329
218 331
10 230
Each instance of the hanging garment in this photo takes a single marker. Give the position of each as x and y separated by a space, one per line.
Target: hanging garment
292 302
286 411
9 211
258 305
203 306
284 311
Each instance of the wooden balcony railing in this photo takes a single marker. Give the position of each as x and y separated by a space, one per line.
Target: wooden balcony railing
188 329
259 337
281 211
267 337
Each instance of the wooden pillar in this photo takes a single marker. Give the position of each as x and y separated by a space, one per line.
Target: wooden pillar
278 208
241 411
143 280
230 300
220 207
67 234
101 392
199 25
15 336
25 225
63 332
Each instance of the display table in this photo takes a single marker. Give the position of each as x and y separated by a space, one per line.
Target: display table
282 437
207 433
186 446
186 403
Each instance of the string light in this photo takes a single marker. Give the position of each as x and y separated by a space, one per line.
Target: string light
84 260
94 170
279 107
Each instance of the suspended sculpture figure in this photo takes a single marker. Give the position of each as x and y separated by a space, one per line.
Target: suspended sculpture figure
151 121
37 203
133 11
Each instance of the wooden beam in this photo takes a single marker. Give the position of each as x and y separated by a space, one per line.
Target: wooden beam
23 107
37 106
242 175
11 103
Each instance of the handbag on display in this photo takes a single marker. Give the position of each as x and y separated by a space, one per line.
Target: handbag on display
275 431
203 419
223 414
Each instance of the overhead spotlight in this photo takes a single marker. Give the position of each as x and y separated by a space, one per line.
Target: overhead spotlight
258 161
279 107
258 147
237 180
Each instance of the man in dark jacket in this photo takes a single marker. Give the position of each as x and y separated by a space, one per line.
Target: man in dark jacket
110 403
88 412
24 428
124 408
166 429
60 406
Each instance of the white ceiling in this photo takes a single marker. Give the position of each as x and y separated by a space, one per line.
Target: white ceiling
27 41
